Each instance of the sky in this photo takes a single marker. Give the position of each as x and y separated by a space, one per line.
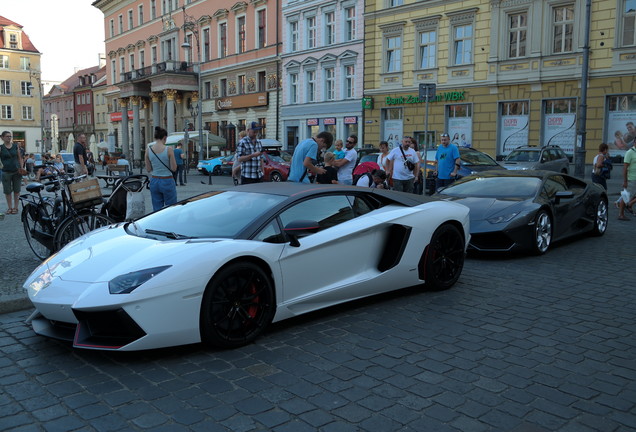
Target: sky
68 33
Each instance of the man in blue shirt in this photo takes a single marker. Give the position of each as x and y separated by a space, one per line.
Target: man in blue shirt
305 155
448 162
178 174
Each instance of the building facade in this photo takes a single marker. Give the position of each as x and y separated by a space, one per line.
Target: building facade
506 72
195 65
20 86
323 60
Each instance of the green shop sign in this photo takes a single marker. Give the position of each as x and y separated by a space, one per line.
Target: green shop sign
411 99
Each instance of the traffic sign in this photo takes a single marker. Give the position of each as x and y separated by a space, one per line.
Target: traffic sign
427 91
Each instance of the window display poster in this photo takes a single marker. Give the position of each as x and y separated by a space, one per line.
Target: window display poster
513 132
460 131
620 132
393 133
560 129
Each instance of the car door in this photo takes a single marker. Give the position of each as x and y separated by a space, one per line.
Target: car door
565 210
332 264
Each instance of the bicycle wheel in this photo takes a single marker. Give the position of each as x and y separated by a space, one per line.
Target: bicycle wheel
39 233
76 226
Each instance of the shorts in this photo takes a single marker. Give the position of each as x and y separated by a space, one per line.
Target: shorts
11 182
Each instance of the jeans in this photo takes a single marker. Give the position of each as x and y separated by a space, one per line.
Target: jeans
248 180
403 185
178 175
163 192
347 182
440 183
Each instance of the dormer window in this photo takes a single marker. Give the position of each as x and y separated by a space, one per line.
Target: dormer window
13 41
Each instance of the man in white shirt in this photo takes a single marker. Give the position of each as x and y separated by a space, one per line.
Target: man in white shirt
404 166
348 162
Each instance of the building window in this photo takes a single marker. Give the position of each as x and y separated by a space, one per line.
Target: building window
241 84
463 44
563 26
240 36
113 70
132 61
130 20
27 113
142 60
140 14
349 81
4 62
206 44
121 24
293 88
5 87
311 32
393 54
330 84
207 90
620 118
262 81
428 49
311 86
7 112
293 36
513 125
223 40
24 87
13 41
261 33
517 35
153 9
223 87
330 28
628 22
350 24
25 63
393 3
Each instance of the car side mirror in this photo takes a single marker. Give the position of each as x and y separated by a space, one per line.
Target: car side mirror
300 228
561 195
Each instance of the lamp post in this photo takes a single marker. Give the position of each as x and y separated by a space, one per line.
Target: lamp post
189 23
35 75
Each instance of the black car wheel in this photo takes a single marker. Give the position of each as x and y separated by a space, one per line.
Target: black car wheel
237 305
276 177
444 258
600 220
216 170
542 233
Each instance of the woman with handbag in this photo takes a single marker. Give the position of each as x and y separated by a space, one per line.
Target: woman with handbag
161 164
12 171
599 164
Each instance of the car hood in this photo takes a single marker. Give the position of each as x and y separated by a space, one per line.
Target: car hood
484 208
519 165
77 262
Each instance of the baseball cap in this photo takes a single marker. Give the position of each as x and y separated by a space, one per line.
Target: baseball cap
255 126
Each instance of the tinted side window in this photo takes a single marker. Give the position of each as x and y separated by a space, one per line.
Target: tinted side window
553 185
328 211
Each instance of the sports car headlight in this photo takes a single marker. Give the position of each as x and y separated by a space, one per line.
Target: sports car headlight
128 282
503 218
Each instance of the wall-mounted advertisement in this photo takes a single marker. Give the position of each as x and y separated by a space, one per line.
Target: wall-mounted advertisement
513 132
393 133
560 129
460 131
620 132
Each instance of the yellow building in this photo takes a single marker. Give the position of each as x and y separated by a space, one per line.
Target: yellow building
20 89
506 72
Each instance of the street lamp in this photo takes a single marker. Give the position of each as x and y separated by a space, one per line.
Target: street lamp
35 75
189 23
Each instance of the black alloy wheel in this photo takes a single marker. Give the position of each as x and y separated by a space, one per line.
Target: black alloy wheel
444 258
542 232
600 218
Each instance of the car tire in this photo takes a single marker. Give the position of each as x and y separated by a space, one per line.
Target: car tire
216 170
237 305
444 258
600 218
542 233
276 177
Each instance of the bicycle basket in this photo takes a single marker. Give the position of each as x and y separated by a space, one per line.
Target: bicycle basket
85 194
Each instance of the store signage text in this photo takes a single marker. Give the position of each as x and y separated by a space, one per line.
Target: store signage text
413 99
242 101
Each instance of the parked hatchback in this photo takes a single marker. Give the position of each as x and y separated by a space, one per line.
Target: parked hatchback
550 158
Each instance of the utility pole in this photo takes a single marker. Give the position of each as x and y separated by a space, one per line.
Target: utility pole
579 154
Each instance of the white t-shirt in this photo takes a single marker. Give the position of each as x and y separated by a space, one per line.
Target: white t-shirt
383 162
345 172
400 171
365 180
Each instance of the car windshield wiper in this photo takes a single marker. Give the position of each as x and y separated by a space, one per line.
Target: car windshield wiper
168 234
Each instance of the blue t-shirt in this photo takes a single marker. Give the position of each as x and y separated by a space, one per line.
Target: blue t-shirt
307 148
177 156
445 158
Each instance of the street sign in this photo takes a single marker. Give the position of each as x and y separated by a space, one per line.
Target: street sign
427 91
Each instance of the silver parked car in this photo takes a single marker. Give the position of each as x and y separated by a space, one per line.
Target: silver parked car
550 158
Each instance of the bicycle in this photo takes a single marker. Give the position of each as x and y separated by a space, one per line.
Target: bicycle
50 222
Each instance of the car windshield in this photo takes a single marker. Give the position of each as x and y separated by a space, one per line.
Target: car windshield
523 156
474 157
213 215
495 187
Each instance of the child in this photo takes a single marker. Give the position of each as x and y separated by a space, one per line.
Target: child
331 176
339 153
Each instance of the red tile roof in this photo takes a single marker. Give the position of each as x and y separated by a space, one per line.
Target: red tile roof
27 45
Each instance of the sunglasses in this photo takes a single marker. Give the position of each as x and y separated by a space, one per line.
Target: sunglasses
351 142
444 135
